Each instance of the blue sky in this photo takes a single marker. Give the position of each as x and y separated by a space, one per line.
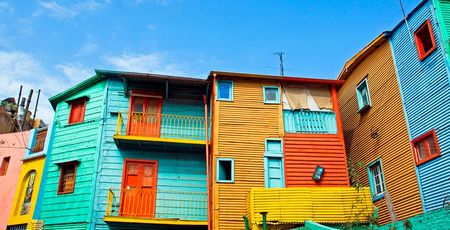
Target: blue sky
53 45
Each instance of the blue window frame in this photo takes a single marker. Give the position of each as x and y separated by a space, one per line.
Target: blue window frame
225 170
225 90
274 164
363 95
271 94
376 179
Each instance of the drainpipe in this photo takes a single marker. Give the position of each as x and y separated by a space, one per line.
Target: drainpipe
264 220
247 225
207 163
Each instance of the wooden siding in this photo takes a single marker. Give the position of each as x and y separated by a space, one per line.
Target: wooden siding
392 144
242 127
74 142
425 90
180 167
303 152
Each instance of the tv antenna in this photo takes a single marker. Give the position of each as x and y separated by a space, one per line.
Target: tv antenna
280 55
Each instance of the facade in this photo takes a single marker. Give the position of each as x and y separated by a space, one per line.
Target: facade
129 152
12 150
24 213
419 50
270 136
376 133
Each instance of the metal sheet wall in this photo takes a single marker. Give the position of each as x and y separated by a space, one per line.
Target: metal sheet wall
443 16
243 126
392 144
303 152
425 90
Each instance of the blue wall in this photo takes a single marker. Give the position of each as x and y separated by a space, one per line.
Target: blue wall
425 92
180 168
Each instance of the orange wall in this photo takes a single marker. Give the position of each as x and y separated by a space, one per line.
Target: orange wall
11 145
303 152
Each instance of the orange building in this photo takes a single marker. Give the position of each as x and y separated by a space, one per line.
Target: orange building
376 134
270 135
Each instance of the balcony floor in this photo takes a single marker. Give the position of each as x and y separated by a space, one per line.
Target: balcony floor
137 220
119 138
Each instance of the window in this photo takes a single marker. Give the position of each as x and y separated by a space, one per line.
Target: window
271 94
225 170
67 177
4 166
376 180
273 164
426 147
363 96
77 108
424 38
28 193
225 90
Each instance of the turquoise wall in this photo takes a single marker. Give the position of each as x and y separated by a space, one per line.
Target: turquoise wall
74 142
425 90
180 167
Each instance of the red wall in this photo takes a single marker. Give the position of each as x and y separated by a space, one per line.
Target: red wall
303 152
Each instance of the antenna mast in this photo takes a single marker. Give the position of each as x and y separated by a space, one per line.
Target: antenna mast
280 55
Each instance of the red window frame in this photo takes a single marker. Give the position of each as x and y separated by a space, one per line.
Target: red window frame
431 133
4 166
62 167
80 104
419 43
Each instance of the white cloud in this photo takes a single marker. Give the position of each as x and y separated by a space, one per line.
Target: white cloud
151 26
19 68
158 2
57 10
150 63
87 48
5 7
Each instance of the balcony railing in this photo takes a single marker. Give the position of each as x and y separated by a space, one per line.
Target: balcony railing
142 203
161 126
40 141
318 204
305 121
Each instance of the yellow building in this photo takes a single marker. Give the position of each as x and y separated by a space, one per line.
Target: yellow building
24 213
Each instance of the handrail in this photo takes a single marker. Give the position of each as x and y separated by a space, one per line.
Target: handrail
306 121
148 203
161 125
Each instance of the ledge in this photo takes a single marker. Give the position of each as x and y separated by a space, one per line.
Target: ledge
159 139
137 220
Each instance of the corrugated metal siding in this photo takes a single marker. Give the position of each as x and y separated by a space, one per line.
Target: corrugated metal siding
303 152
243 126
443 16
74 142
322 205
392 144
425 89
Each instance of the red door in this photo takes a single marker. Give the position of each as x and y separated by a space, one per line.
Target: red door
139 188
145 116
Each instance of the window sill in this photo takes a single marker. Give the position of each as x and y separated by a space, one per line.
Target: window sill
272 102
223 99
425 55
427 159
377 197
364 109
62 193
225 181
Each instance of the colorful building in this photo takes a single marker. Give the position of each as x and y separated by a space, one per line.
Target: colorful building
12 150
129 152
278 147
376 133
421 59
25 210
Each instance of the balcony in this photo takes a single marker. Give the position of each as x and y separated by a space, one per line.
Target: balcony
162 207
318 204
40 141
155 127
306 121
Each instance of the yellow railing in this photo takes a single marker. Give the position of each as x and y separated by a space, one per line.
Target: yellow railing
318 204
182 205
161 125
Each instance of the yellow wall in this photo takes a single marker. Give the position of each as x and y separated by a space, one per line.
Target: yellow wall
28 165
386 116
240 129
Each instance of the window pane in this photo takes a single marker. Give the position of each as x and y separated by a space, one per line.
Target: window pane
422 150
274 146
28 194
68 178
432 144
271 94
147 180
224 90
138 105
425 38
225 168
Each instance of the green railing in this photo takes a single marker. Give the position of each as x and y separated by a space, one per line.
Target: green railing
305 121
161 125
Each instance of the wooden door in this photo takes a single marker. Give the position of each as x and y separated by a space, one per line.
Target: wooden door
139 189
145 116
274 172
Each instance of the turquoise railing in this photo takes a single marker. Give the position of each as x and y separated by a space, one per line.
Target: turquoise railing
305 121
161 125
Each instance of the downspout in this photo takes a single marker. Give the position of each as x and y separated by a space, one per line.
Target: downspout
208 174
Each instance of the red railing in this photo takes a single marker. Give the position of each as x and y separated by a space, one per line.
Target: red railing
40 141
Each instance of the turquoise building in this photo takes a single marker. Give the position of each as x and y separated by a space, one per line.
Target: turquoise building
129 151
